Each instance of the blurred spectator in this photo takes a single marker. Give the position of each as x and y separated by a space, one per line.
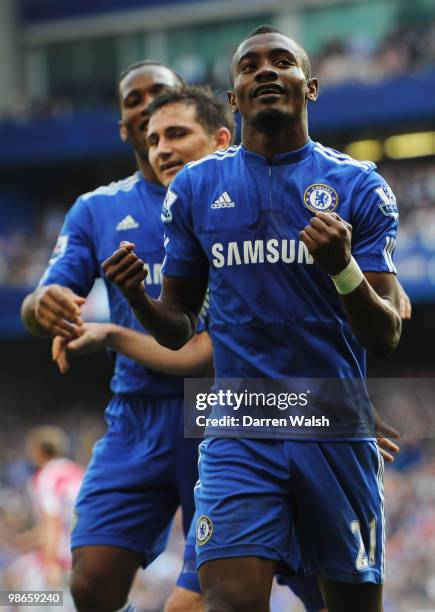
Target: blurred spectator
45 558
36 507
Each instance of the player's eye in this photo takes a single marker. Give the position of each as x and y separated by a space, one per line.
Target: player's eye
152 141
284 62
247 67
132 101
177 133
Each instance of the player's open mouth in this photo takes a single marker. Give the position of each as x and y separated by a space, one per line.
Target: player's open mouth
170 165
267 90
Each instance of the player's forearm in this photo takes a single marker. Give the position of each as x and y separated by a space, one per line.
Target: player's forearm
50 538
172 328
28 316
192 360
373 319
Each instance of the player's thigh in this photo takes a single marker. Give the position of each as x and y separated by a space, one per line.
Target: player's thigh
103 573
342 597
243 509
241 584
338 499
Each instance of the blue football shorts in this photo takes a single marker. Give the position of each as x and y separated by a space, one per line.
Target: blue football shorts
141 470
255 496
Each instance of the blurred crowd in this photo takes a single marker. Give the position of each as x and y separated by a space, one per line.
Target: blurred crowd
405 49
25 249
413 183
410 504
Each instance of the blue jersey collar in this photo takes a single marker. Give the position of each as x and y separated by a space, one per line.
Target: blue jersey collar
280 159
156 188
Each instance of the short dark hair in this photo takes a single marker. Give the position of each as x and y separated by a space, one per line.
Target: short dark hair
264 29
211 113
270 29
141 64
148 62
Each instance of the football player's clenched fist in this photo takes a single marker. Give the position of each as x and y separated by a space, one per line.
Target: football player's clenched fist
126 270
328 240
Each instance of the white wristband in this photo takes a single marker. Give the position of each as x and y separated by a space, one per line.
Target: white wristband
348 279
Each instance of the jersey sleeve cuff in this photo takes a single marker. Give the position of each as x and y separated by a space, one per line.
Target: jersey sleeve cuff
375 262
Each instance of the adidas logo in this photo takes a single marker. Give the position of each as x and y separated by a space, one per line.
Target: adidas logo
127 223
223 201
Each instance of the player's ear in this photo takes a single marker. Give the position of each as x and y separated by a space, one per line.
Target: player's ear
232 101
123 133
222 138
312 89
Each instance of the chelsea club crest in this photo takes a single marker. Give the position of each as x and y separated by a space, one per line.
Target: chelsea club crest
204 530
320 198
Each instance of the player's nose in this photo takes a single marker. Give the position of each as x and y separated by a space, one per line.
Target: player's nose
164 150
266 72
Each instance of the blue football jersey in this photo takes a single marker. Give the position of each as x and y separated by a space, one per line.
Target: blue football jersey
274 313
126 210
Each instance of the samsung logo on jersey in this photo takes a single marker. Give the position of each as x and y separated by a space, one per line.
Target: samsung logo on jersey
260 251
154 276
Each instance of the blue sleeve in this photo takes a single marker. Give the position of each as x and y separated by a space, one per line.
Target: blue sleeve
375 221
184 254
73 262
